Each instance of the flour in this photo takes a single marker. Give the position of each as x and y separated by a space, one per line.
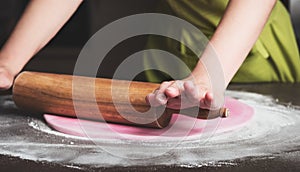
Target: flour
274 129
41 126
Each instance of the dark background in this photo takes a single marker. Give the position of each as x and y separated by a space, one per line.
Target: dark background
60 55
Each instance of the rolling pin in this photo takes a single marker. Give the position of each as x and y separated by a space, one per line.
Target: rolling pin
53 93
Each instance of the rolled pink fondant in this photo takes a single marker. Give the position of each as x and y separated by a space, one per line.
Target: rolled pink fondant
180 125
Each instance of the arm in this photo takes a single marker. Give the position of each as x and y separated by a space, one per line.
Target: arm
236 34
41 20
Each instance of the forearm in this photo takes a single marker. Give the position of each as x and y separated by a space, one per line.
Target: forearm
236 34
41 20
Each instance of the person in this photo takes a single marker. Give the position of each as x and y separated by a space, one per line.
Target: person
233 26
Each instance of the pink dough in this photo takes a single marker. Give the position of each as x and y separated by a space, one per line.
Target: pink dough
180 125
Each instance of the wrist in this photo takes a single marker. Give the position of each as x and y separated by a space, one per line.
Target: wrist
212 79
200 75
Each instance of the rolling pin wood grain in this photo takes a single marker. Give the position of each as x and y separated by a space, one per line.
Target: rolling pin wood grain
53 93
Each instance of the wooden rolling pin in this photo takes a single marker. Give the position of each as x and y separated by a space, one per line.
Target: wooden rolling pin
52 93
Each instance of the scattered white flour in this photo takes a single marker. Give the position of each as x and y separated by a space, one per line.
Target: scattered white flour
274 129
41 126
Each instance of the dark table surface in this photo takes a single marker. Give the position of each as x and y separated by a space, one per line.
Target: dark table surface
289 161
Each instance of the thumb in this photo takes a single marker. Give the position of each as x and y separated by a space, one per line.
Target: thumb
212 101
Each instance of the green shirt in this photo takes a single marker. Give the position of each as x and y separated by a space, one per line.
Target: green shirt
273 58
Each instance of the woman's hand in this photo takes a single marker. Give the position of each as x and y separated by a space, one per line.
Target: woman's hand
195 90
39 23
182 94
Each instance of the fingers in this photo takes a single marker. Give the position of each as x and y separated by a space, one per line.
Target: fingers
173 90
182 94
158 97
174 103
191 92
207 101
197 96
209 98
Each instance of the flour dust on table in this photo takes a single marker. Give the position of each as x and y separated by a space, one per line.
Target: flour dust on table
273 130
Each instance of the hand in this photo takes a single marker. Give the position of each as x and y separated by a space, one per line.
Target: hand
182 94
6 78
